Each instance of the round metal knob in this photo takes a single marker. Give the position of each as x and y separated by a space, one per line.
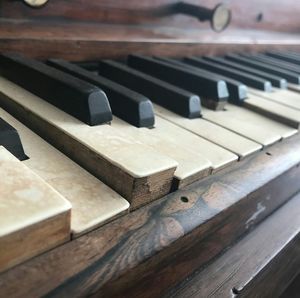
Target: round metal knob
35 3
219 17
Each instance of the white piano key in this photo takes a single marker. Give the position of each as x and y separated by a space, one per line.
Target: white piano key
137 172
93 203
191 165
212 132
218 156
34 217
273 110
294 87
282 96
249 124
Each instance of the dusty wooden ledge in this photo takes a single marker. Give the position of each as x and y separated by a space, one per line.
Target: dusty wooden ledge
148 251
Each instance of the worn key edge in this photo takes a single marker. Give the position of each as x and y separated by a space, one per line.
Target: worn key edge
112 264
137 189
50 224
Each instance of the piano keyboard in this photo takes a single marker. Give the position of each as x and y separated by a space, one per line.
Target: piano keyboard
80 148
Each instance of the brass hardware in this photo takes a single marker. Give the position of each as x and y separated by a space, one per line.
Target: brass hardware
35 3
219 17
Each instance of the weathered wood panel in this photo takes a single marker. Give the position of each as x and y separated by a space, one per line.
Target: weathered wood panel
262 264
256 14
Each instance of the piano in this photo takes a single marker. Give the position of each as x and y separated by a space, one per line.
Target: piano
149 148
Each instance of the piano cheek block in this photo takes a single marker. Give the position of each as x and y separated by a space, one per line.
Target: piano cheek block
98 110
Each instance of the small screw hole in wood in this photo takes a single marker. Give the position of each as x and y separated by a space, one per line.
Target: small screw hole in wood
268 153
184 199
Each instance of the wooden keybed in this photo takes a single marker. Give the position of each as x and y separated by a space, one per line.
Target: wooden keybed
151 250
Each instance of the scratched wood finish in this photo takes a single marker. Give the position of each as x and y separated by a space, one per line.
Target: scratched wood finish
147 27
93 41
275 277
256 14
248 270
136 252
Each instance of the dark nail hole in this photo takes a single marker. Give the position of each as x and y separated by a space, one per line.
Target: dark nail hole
268 153
259 17
184 199
235 291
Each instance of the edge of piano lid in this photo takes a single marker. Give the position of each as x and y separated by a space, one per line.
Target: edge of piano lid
115 29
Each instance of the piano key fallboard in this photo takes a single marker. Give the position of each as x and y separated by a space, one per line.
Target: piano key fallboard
103 142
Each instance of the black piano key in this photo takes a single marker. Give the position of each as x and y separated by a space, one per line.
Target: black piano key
247 79
275 80
130 106
288 57
237 90
10 139
288 75
275 62
214 92
76 97
88 65
169 96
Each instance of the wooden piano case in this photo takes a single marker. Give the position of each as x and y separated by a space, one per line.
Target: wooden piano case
148 252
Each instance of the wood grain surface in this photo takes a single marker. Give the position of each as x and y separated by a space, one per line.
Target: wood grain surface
93 41
248 270
164 242
147 27
293 289
261 15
